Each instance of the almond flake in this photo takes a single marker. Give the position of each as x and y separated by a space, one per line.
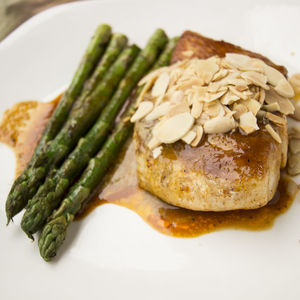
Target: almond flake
253 106
196 109
242 88
239 110
262 96
229 98
153 143
219 125
174 128
211 97
144 108
238 93
283 88
275 119
206 69
189 137
286 107
273 133
220 74
159 111
248 122
256 78
157 152
199 134
237 60
161 84
273 75
272 107
178 109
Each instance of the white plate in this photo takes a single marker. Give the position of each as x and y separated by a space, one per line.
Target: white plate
113 254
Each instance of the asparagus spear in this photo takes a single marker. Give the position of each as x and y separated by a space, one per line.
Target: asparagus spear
54 232
76 125
92 54
49 194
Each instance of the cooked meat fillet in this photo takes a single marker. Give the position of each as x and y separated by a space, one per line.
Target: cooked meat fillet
226 171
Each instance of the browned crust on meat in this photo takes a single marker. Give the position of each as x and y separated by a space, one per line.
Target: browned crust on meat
203 47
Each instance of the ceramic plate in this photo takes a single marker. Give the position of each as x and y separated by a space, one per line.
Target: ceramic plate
113 253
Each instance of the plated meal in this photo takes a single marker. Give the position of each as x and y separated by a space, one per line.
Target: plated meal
211 147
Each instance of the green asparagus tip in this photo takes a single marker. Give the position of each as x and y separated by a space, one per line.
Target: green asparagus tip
52 237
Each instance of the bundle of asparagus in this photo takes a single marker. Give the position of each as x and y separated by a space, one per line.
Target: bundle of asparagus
49 194
54 232
78 128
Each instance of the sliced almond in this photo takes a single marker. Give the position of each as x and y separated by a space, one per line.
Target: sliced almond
177 109
248 122
214 109
157 152
144 108
196 109
273 75
220 74
239 110
273 133
159 111
229 98
199 133
262 96
253 106
174 128
275 119
153 143
238 93
213 96
286 107
284 89
161 84
256 78
237 60
189 137
272 107
206 69
219 125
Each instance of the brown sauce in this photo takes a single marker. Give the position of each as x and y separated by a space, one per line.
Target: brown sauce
21 128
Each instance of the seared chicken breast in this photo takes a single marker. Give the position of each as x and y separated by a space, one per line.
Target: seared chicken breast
225 171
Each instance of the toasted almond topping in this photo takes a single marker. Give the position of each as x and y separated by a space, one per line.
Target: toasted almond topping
242 88
161 84
144 108
284 89
286 107
229 98
197 109
256 78
213 96
177 109
206 69
156 152
214 109
253 106
273 75
159 111
273 133
174 128
261 114
199 134
219 125
189 137
153 143
220 74
248 122
239 110
272 107
275 119
294 146
237 60
237 93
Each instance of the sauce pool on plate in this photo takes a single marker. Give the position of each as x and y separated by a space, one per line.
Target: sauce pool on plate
22 126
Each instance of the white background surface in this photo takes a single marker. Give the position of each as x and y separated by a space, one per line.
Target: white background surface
113 254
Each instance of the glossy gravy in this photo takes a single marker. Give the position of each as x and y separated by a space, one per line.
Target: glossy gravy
22 125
